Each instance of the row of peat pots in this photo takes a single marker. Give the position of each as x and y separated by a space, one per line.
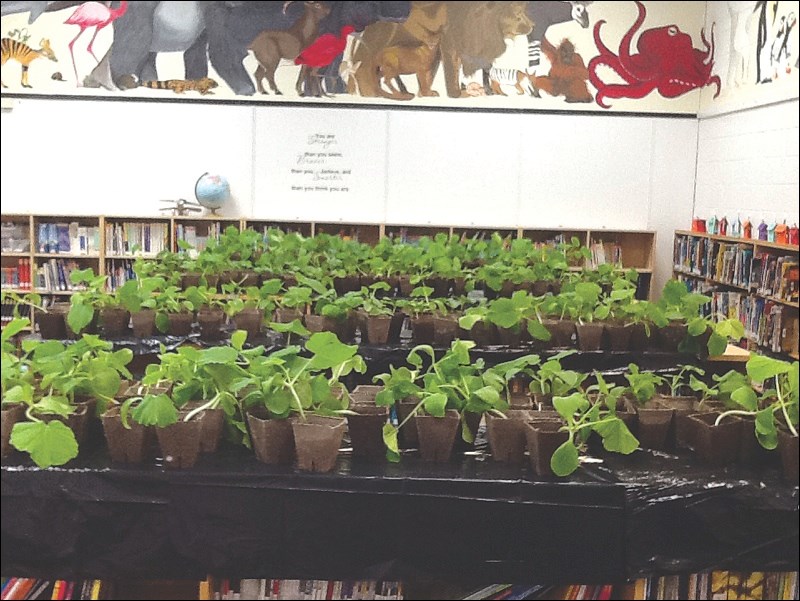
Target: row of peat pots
529 432
438 330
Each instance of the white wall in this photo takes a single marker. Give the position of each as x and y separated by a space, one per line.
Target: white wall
747 165
449 168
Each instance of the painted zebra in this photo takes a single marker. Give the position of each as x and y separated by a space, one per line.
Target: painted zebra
24 54
545 14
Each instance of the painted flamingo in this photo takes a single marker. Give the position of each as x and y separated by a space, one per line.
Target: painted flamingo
320 54
93 14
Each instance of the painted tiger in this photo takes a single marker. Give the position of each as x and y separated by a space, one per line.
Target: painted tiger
179 86
24 55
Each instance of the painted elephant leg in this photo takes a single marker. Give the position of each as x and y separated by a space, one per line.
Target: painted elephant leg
225 54
133 36
100 77
148 71
195 59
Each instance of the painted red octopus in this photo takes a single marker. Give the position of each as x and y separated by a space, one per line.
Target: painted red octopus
666 62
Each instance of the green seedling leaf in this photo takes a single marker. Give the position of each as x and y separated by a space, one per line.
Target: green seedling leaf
328 350
760 368
218 354
745 397
717 344
293 327
538 331
390 440
766 432
616 436
14 327
155 410
238 338
697 326
565 459
48 444
435 404
54 405
569 405
79 316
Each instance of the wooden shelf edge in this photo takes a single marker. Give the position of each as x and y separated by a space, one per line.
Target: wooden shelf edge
20 255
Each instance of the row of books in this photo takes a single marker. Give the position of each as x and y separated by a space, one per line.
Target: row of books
7 311
14 237
734 264
53 275
605 252
762 319
18 276
149 239
119 271
198 241
34 588
703 586
299 589
71 238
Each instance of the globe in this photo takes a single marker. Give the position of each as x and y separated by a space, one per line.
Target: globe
212 191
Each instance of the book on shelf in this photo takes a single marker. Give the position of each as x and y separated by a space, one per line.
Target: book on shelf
118 272
17 277
67 238
605 252
14 237
149 239
53 275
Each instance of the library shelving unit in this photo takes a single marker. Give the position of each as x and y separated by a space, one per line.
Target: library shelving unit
753 280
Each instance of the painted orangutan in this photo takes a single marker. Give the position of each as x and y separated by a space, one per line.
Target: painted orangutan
568 73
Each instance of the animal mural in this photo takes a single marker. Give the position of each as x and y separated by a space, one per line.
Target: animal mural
546 14
24 55
568 73
536 52
666 61
271 46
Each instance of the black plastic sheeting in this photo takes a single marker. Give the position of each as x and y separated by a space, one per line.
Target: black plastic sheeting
472 519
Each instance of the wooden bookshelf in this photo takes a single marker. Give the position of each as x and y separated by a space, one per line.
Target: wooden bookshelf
696 259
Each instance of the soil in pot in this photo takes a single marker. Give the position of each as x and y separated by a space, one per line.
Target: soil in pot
422 329
484 334
284 315
509 337
445 330
212 281
53 325
750 451
227 277
590 336
407 437
143 323
680 434
213 421
540 287
716 444
127 445
366 280
671 336
639 338
376 329
180 324
618 336
562 332
180 442
272 439
317 441
555 287
210 321
520 400
459 286
348 283
653 426
543 438
406 286
190 279
10 415
319 323
366 431
249 278
507 435
437 436
543 401
788 449
365 394
249 320
114 322
441 286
